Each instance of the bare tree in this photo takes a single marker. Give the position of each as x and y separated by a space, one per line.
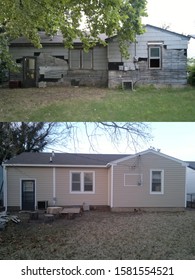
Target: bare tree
132 134
18 137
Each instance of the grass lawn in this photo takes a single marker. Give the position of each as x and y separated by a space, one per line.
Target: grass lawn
102 235
97 104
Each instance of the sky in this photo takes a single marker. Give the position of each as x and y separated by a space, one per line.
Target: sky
176 139
179 15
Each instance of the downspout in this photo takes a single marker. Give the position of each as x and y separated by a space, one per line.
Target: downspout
186 187
54 186
112 187
5 187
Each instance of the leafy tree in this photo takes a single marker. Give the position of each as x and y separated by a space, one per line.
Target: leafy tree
16 138
84 19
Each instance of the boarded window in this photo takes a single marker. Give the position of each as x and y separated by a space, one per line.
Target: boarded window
131 180
156 181
87 60
79 59
155 54
75 59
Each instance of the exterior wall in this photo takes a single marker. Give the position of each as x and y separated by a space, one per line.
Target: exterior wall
190 179
43 184
139 195
174 60
46 181
64 197
56 71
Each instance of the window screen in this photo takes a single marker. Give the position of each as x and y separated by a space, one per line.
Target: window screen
156 181
76 182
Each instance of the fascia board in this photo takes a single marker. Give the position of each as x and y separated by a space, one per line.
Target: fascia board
55 165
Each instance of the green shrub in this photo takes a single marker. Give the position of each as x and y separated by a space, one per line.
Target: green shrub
191 72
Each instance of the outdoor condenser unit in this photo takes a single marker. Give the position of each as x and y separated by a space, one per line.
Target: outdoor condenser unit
42 204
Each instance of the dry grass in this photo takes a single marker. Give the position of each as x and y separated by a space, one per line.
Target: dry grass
102 235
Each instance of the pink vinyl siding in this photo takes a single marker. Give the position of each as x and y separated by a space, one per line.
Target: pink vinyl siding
139 195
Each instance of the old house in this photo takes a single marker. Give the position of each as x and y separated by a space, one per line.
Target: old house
158 56
54 64
146 180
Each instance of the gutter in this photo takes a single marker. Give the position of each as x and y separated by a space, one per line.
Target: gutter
111 187
55 165
5 187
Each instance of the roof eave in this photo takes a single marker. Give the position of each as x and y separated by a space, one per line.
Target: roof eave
54 165
183 163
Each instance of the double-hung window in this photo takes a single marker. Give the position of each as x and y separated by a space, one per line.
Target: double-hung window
82 182
155 56
156 181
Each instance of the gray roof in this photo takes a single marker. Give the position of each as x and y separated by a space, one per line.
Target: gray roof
49 40
191 164
58 38
68 159
169 31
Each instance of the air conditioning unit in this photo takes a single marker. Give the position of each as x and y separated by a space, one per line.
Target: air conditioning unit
42 205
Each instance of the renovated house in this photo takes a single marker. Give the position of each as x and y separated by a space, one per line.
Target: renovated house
158 56
148 180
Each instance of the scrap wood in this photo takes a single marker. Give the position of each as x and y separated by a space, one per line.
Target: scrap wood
4 218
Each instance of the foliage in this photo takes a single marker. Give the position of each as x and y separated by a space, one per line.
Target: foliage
16 138
191 71
6 61
84 19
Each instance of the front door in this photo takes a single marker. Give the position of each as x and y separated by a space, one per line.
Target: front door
28 195
29 72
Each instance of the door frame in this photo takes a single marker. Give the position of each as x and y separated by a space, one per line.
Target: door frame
21 183
34 81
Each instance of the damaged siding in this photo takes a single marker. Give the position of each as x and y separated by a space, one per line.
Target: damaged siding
138 69
60 66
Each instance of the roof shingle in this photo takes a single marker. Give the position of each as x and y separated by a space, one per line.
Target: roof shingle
63 159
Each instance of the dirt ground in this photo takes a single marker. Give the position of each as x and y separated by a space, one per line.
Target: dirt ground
102 235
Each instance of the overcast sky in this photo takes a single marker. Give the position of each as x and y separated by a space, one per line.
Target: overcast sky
179 15
176 139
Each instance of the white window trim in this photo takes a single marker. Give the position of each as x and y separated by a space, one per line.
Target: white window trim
162 181
157 57
133 174
82 182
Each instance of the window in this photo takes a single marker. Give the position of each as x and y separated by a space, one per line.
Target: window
155 53
156 181
76 182
82 182
79 59
133 180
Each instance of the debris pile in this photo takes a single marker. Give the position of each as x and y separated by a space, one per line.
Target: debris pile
5 218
